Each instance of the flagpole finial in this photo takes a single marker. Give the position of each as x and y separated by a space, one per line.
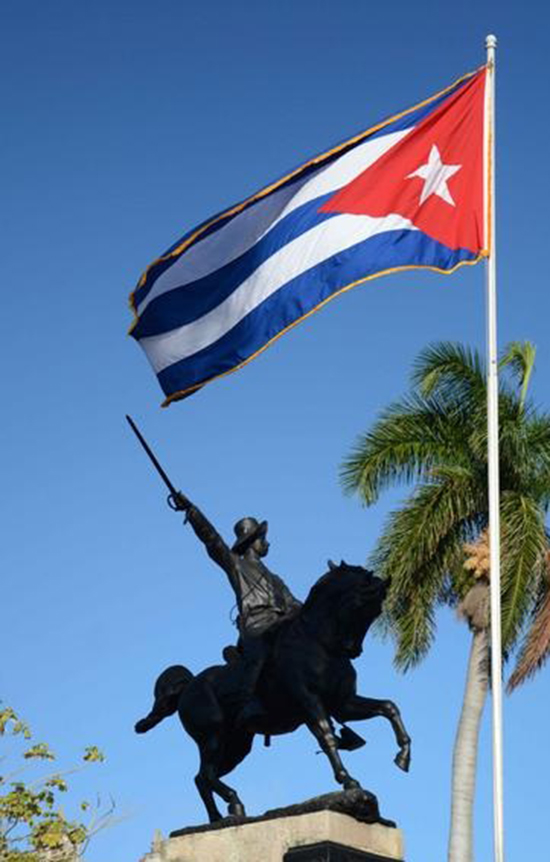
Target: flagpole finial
490 41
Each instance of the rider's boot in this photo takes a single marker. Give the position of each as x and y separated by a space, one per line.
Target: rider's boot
253 658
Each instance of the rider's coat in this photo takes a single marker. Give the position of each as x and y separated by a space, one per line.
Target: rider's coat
263 599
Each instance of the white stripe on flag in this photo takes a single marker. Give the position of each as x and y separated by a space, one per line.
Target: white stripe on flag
222 246
306 251
245 229
342 171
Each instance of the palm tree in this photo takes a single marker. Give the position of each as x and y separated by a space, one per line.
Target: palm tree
435 546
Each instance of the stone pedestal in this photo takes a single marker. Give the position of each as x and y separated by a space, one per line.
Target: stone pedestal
318 836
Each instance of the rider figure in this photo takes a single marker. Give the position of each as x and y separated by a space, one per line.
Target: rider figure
263 599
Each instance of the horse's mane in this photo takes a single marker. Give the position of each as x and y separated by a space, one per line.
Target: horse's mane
339 579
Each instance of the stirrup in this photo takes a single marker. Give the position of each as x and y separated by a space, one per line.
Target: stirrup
348 740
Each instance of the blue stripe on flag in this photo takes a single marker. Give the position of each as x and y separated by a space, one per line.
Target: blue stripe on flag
182 305
303 294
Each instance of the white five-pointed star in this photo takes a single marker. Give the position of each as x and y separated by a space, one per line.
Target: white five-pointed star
435 175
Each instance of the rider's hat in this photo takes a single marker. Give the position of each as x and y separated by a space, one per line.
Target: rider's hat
247 530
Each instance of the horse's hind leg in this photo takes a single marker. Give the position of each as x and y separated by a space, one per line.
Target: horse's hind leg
208 782
202 717
235 807
205 791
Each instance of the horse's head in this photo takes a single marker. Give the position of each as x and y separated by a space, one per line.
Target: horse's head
342 605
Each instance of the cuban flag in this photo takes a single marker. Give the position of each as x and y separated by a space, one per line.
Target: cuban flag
407 193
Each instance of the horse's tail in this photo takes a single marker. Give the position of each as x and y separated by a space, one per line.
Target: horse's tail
168 689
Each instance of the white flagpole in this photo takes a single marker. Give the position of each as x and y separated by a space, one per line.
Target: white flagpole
493 452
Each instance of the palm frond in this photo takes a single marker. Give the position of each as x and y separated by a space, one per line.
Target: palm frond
537 445
523 548
410 617
450 370
413 629
419 547
413 534
537 429
519 357
535 649
412 437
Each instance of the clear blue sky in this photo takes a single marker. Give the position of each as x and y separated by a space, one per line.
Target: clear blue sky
124 124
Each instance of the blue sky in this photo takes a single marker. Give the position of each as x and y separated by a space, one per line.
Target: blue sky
124 125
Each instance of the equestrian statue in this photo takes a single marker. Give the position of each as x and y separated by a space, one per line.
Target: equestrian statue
291 666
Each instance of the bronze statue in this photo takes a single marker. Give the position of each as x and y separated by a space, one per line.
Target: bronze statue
308 679
292 665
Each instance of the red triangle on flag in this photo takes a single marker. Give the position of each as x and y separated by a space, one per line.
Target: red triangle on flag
433 176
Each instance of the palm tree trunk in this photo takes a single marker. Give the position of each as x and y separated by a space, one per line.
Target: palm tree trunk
465 751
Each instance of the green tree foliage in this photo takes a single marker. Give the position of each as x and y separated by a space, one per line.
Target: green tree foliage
435 547
436 438
33 825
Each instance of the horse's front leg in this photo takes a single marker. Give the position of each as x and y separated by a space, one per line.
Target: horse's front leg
321 727
359 708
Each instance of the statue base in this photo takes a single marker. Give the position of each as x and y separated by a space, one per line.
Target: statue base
314 831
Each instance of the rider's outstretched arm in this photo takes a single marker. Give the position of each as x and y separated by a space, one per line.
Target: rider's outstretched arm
215 546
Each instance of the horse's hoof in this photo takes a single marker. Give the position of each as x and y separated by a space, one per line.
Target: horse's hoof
403 760
236 809
216 818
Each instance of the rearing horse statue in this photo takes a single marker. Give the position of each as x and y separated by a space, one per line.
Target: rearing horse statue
308 678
